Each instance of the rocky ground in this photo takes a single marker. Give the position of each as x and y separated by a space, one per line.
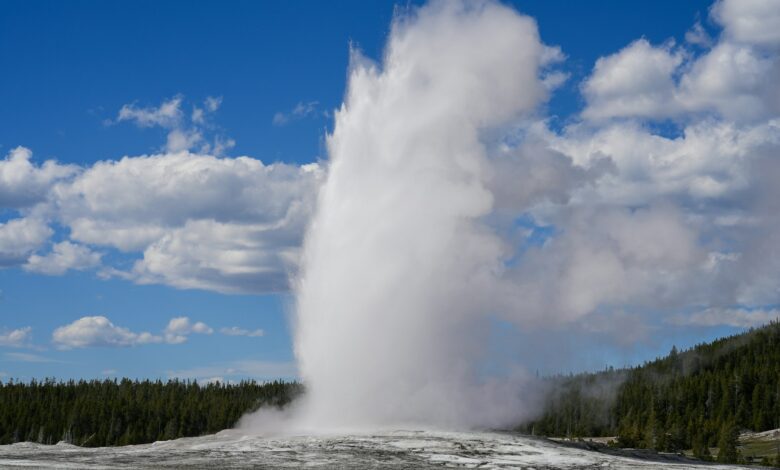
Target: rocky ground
394 450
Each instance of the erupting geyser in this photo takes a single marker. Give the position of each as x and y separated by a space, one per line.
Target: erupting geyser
393 294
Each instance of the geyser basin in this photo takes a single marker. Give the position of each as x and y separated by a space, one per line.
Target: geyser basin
400 450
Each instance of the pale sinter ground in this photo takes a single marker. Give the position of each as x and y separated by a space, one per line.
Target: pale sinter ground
395 450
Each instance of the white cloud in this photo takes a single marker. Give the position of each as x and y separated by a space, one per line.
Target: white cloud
200 221
735 317
180 140
750 21
168 114
637 81
180 327
22 183
98 331
222 257
183 134
715 182
236 331
300 111
708 161
231 225
737 81
166 190
20 237
63 257
15 338
734 78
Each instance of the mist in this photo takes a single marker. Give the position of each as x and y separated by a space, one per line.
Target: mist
393 298
449 206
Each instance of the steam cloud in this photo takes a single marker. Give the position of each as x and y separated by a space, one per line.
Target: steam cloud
399 263
449 205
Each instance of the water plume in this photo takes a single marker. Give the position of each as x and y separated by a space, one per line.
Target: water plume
393 298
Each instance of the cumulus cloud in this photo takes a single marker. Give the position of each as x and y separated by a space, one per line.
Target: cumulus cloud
637 81
166 190
99 331
20 237
23 183
716 172
198 220
708 161
749 21
735 77
180 327
15 338
63 257
735 80
225 224
229 258
236 331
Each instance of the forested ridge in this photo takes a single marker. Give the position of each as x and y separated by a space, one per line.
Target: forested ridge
110 412
697 399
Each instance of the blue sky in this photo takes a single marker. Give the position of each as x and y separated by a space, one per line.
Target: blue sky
275 71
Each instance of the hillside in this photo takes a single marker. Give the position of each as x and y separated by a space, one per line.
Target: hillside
694 400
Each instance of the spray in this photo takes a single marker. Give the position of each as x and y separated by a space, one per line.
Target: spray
392 298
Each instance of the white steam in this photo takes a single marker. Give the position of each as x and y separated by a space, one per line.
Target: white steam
450 206
392 311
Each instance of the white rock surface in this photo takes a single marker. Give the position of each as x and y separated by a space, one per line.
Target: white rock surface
394 450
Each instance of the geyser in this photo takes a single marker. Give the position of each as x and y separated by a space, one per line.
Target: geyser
393 296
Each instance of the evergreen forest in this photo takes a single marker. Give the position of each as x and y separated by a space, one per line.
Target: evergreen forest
695 400
110 412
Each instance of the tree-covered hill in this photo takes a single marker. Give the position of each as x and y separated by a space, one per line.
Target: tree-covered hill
697 399
110 412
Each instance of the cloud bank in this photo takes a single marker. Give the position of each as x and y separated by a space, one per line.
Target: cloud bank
99 331
230 225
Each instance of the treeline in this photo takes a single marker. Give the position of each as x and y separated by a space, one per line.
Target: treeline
110 412
697 399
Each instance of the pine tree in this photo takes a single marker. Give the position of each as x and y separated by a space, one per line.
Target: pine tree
727 444
670 402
